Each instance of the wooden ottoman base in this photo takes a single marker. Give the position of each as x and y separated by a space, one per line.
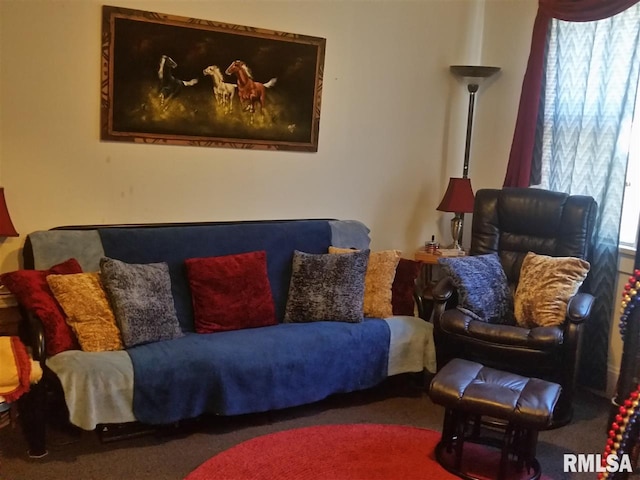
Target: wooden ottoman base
513 449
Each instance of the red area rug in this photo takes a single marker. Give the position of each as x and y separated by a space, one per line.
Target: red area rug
340 452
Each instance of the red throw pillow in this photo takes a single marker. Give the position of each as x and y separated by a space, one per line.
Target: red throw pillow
231 292
403 287
33 293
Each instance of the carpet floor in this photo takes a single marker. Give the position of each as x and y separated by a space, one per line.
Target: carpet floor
346 452
173 453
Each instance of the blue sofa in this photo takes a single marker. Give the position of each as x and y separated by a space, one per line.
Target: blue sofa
224 373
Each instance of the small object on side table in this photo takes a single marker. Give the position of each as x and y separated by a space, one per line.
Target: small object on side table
432 246
450 252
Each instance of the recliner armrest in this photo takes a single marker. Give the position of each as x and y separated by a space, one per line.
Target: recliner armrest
443 290
579 307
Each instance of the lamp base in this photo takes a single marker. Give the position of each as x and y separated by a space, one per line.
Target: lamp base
454 246
456 231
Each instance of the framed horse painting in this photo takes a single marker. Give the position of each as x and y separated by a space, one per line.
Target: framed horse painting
184 81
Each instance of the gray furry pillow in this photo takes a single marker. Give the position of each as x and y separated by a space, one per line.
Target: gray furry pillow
327 287
483 289
141 299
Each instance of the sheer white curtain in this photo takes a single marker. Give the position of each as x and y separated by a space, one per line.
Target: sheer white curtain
590 86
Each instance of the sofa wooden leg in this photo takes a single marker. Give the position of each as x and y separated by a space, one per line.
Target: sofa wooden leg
32 415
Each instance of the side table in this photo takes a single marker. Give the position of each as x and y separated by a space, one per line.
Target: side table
30 407
426 280
10 316
10 319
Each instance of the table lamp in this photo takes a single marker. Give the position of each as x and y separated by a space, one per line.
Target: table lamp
458 199
6 225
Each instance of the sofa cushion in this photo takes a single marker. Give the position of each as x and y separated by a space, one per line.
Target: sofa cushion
231 292
32 291
381 270
404 285
483 291
257 369
84 300
327 287
140 295
545 287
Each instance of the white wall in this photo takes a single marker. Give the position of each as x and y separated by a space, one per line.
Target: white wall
507 41
392 121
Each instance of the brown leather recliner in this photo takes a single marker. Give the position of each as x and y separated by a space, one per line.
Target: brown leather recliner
512 222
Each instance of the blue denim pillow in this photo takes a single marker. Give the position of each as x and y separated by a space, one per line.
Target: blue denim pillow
483 289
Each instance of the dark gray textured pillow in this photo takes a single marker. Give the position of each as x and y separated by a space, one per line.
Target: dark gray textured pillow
483 289
327 287
140 296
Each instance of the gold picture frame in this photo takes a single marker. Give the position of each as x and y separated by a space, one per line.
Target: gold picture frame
175 80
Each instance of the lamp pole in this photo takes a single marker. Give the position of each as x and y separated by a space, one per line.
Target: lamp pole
473 88
473 73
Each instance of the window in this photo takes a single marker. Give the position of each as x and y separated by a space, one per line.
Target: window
588 135
631 205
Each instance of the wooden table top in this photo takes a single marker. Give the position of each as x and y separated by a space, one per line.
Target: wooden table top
421 255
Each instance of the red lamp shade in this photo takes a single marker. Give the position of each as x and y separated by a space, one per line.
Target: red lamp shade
459 197
6 226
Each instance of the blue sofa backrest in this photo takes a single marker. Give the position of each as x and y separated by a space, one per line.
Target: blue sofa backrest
174 243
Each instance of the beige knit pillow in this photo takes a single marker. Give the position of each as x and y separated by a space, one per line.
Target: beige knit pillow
545 287
378 281
89 314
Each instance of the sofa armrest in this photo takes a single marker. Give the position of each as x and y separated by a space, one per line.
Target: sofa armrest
419 301
579 307
35 337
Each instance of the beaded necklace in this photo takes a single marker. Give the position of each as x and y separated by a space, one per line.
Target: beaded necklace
624 427
630 299
627 417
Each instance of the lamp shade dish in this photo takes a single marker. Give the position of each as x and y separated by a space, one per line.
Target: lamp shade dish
459 197
473 71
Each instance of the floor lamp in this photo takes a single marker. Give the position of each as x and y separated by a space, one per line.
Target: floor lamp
473 74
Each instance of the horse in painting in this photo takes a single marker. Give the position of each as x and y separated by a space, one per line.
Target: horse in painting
222 91
170 86
251 93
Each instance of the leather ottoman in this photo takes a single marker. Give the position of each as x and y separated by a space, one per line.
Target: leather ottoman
494 408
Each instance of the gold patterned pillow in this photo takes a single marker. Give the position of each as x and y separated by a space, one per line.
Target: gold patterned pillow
545 287
85 303
381 270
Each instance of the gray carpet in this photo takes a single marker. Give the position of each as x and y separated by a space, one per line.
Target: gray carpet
172 453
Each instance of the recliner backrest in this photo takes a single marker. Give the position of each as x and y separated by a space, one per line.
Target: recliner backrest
514 221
